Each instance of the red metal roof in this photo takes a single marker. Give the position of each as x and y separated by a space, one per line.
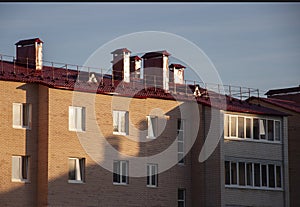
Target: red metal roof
135 58
283 91
179 66
29 41
73 80
286 104
121 50
156 54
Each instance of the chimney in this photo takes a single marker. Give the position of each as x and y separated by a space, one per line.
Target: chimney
135 66
156 68
121 61
29 53
176 73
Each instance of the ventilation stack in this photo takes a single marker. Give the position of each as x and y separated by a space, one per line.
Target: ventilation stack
29 53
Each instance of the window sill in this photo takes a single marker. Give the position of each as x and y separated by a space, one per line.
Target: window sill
252 140
152 186
253 188
148 137
22 127
76 130
181 164
120 133
20 181
122 184
76 181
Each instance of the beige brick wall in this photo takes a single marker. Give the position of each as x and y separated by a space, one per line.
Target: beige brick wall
98 189
17 142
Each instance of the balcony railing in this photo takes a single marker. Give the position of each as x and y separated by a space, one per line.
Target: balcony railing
77 73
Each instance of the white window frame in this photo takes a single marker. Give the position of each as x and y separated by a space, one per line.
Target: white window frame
79 170
266 140
77 118
18 168
184 196
18 114
182 131
152 170
118 115
121 173
154 129
252 186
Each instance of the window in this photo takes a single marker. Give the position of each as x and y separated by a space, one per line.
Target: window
277 131
255 128
227 172
241 125
262 128
256 174
233 173
242 173
152 127
181 197
120 175
270 130
22 115
253 175
264 180
249 174
76 118
249 128
20 168
151 175
180 140
233 126
76 170
120 122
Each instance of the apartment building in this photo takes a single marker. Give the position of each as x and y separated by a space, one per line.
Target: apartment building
287 100
60 127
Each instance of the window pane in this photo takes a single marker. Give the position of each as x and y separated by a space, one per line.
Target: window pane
181 195
271 176
264 175
255 129
278 176
16 167
233 173
148 174
242 173
277 130
248 128
256 174
116 175
17 109
24 167
180 158
241 127
270 130
115 121
262 128
227 172
72 170
180 203
26 115
124 172
249 174
233 126
122 122
226 126
180 147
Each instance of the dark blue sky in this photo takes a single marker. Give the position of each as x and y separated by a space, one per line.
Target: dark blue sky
251 44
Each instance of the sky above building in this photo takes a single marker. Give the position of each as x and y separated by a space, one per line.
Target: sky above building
253 45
